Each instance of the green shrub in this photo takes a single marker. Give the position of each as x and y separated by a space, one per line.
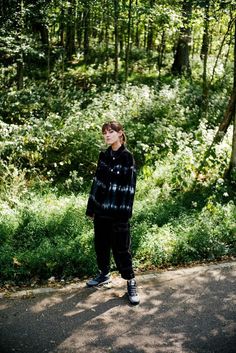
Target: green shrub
47 236
183 210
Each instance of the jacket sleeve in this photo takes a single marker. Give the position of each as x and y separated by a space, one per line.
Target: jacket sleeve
132 186
129 186
91 204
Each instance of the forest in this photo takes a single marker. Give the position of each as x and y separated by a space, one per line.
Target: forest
167 71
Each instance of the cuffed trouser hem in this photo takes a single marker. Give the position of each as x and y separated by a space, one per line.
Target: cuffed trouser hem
127 277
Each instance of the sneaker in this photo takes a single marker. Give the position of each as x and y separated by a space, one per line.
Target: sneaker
100 279
132 292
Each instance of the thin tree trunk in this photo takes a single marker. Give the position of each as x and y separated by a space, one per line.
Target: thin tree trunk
20 60
228 117
228 51
137 34
70 30
122 32
127 52
204 57
150 33
86 18
62 28
49 60
232 166
161 51
116 59
79 29
106 21
230 26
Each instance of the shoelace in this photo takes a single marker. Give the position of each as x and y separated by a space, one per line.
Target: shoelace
132 288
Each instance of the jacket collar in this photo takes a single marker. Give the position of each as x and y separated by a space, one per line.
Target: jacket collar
117 153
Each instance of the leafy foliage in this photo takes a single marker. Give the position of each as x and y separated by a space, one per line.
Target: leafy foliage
56 90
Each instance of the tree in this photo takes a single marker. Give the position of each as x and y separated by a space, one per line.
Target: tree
232 166
181 63
204 55
150 33
116 57
127 52
229 116
70 30
86 27
20 59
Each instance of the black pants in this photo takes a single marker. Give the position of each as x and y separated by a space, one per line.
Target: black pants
113 235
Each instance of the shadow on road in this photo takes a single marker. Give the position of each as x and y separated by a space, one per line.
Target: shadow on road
192 311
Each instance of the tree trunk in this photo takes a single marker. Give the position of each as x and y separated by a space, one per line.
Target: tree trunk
229 29
86 18
106 14
233 153
137 34
150 33
20 74
181 63
62 28
116 59
161 52
232 166
122 31
128 41
70 31
228 117
79 29
20 59
204 57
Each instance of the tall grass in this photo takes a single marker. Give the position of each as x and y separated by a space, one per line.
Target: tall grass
46 235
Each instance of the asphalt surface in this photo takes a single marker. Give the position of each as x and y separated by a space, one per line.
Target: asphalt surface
186 310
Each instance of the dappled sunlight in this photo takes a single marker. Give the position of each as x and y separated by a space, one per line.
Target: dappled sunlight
85 305
3 306
187 310
177 306
46 303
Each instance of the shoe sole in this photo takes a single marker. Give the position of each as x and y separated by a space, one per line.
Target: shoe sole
134 303
98 284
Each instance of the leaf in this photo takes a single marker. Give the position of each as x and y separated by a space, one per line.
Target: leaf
16 262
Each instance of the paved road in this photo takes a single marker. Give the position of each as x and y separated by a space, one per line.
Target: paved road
183 311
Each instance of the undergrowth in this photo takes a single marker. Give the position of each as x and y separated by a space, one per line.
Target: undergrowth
184 210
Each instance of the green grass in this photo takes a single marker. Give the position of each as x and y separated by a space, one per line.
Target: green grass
47 235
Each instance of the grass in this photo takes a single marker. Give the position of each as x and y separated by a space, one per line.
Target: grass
47 235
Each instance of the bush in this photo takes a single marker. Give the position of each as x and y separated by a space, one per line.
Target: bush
53 141
207 235
47 236
47 162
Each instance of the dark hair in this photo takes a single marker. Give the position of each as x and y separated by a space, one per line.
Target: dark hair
114 125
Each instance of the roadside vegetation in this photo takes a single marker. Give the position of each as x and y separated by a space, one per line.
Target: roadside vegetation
184 209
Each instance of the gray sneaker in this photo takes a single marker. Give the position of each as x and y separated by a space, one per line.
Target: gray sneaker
99 280
132 292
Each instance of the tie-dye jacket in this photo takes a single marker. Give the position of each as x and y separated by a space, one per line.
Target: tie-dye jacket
113 187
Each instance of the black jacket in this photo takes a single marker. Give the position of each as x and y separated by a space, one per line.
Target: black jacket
113 187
